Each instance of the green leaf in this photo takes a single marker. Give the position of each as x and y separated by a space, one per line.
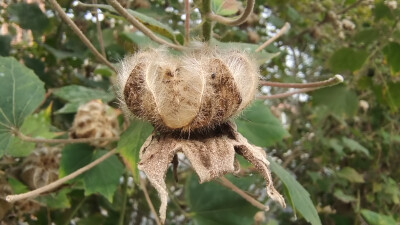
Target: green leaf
225 7
5 45
57 200
299 197
104 71
343 197
102 179
59 54
338 99
351 175
374 218
77 95
382 11
260 126
28 16
213 204
16 81
38 126
73 157
149 22
367 36
346 59
130 143
355 146
17 186
392 55
139 39
261 56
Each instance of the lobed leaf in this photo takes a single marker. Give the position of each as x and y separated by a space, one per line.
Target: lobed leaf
374 218
213 204
102 179
130 143
343 103
77 95
21 93
299 197
260 126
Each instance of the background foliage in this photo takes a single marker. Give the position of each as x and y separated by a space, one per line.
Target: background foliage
334 152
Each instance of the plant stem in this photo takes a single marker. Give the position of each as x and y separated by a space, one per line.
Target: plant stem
81 36
276 36
124 199
99 33
23 137
123 12
207 25
74 211
34 193
226 183
234 22
330 81
151 206
187 21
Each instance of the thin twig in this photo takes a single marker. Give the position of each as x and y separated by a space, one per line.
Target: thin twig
99 33
350 7
187 21
151 206
123 12
286 94
276 36
23 137
81 36
226 183
124 191
330 81
207 26
234 22
333 81
34 193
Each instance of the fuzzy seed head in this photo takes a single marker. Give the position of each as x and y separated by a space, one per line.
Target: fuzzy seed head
95 120
197 90
41 167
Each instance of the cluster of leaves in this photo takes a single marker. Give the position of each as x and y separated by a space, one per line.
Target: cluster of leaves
340 143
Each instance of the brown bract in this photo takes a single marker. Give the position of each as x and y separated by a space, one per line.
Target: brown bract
212 154
190 100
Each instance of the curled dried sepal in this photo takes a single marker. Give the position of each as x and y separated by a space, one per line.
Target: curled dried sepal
212 154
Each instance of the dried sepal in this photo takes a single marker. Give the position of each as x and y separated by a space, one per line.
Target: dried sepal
211 154
95 120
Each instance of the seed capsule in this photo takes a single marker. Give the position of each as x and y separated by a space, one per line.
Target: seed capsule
197 90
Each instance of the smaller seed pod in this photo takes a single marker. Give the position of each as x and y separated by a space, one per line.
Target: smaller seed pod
95 120
199 90
41 167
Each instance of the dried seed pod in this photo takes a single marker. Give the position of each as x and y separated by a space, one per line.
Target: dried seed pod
190 99
203 89
41 167
95 120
